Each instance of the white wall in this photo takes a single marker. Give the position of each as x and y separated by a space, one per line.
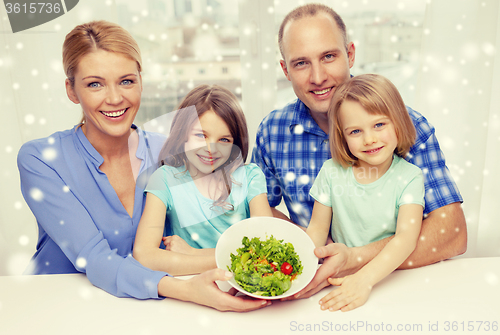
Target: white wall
458 92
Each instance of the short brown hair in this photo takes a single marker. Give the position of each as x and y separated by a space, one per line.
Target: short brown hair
309 10
377 95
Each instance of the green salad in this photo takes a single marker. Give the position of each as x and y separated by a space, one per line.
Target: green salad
265 268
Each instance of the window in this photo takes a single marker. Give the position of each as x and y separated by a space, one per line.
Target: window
184 43
387 36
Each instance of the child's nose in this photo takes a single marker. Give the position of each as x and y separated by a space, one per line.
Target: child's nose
211 147
370 138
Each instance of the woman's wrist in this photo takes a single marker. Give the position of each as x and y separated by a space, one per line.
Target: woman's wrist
171 287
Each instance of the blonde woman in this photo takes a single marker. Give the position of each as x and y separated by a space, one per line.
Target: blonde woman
85 185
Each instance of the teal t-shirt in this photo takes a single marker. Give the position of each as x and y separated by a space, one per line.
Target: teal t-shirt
364 213
192 216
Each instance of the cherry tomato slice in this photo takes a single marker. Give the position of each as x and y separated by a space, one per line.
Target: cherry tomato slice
275 268
286 268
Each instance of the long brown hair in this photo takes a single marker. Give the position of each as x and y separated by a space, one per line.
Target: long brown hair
377 95
97 35
224 104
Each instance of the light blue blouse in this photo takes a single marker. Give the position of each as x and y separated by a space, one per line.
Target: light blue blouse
83 227
192 216
365 213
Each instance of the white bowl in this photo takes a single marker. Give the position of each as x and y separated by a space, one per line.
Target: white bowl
264 227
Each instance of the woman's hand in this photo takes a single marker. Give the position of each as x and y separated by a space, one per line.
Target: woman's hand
177 244
203 290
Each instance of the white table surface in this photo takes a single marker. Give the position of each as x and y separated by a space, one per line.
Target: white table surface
460 296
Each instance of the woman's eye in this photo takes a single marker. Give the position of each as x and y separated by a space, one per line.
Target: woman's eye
94 85
127 82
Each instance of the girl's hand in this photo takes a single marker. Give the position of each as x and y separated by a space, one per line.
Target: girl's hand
177 244
353 291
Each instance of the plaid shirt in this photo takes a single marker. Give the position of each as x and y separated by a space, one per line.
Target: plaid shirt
291 148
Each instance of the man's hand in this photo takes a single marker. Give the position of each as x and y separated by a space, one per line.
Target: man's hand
336 257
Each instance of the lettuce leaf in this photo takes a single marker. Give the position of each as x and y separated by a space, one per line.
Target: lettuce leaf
256 266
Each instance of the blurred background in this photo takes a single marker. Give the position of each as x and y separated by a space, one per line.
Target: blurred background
441 54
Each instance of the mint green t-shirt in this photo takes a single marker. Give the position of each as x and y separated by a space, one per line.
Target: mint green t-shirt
192 216
364 213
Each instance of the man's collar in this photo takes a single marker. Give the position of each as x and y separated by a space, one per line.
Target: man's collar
302 121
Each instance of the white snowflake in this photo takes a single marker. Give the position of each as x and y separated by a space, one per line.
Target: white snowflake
290 176
489 49
81 262
491 278
408 198
304 179
204 320
24 240
323 198
297 207
49 154
29 119
299 129
36 194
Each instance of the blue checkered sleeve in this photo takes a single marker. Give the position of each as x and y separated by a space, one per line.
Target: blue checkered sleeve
262 158
440 188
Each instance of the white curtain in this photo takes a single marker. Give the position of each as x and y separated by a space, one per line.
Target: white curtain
458 92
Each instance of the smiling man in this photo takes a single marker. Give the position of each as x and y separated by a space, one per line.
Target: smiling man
292 145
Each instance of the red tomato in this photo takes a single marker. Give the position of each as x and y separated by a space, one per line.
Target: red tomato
286 268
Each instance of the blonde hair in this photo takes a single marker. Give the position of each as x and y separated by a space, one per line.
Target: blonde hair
224 104
97 35
310 10
377 95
